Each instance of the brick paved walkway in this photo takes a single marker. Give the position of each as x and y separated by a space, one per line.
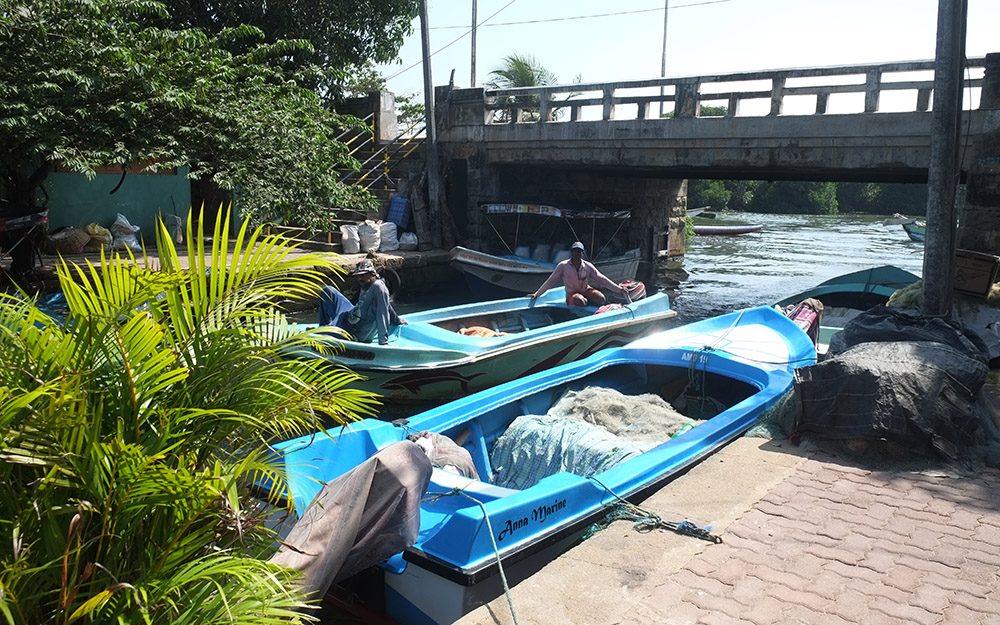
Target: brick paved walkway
838 544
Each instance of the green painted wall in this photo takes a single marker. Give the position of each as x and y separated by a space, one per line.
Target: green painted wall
76 201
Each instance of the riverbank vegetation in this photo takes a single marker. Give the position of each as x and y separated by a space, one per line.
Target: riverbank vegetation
810 198
241 94
132 432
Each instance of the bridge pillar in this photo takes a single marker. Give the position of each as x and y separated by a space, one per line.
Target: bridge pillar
980 223
657 224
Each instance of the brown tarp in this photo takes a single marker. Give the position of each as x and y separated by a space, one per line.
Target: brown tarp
359 519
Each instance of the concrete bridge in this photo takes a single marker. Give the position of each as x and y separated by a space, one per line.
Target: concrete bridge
608 144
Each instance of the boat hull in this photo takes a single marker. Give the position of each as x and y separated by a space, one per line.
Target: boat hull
512 276
427 362
725 230
916 232
488 370
747 357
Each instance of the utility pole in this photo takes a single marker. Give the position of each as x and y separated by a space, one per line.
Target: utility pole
430 150
942 171
472 81
663 62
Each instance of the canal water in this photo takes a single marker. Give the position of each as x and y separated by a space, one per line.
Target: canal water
790 254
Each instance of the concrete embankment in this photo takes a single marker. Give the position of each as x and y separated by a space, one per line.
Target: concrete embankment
810 536
418 272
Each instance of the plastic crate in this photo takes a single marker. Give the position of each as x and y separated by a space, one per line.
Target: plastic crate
399 212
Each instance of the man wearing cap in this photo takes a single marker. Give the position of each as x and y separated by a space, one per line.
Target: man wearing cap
576 275
370 317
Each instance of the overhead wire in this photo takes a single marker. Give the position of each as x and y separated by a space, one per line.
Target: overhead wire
586 17
456 40
484 24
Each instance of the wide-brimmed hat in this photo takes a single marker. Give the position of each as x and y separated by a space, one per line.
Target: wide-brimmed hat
365 266
576 246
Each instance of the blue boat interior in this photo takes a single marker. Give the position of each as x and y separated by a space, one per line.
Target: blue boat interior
702 400
482 325
509 322
312 461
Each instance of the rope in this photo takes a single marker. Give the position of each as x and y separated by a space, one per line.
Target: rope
623 221
573 230
496 549
498 235
646 521
699 382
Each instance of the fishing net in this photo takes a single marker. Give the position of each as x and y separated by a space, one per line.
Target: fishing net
537 446
643 420
585 433
774 423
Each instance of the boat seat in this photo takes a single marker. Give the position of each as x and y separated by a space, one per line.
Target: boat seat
535 319
446 480
524 323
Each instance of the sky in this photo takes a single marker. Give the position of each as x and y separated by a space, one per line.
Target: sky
599 41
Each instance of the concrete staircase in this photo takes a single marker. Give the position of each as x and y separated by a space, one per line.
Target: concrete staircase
383 166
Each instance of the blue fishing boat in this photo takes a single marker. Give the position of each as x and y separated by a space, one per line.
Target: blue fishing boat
451 352
720 374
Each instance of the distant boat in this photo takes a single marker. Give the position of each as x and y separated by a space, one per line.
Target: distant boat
847 295
725 229
492 276
512 276
916 231
914 228
446 353
728 370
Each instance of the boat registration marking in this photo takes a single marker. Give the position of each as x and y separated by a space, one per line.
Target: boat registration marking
538 515
698 357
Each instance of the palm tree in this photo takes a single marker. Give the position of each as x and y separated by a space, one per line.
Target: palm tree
132 431
520 71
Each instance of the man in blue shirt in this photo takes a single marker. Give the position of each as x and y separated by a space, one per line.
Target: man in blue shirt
370 317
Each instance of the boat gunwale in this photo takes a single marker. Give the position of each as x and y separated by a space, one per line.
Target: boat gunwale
517 341
529 266
486 566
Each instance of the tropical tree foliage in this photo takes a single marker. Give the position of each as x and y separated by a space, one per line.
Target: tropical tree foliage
520 71
871 198
741 193
708 193
100 82
132 430
344 36
882 199
810 198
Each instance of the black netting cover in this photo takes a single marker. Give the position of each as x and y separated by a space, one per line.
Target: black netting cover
916 393
881 324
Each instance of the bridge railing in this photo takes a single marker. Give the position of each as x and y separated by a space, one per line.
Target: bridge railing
820 91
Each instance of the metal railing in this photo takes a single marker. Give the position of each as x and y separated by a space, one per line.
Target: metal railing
386 159
770 91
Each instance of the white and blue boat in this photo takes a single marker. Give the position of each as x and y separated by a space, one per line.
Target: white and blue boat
510 275
527 265
445 353
740 364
